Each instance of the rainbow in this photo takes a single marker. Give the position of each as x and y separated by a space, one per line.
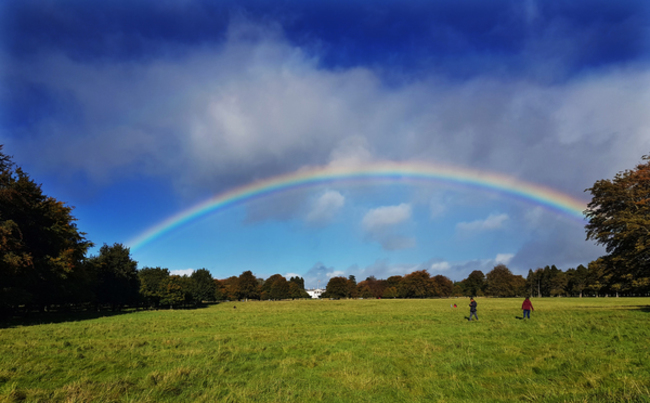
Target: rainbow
411 172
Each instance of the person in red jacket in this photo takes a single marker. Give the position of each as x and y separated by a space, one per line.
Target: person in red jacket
527 306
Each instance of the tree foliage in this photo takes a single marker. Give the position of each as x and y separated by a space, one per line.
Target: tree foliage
474 284
619 219
502 283
202 286
117 281
151 280
248 286
41 250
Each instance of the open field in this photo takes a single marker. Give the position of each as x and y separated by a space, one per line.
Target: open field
572 350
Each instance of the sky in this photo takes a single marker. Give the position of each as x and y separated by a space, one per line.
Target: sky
138 113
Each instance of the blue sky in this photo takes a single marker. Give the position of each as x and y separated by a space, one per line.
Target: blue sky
134 113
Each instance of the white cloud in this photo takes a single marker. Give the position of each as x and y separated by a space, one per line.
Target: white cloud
335 273
382 225
504 258
387 216
439 266
326 207
492 222
351 151
184 272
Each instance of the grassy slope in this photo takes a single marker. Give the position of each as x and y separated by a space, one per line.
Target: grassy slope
592 350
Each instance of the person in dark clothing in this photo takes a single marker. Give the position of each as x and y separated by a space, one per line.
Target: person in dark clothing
527 306
472 309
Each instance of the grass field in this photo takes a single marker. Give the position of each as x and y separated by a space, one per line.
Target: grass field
572 350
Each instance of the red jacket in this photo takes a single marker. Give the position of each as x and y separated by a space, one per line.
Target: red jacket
527 305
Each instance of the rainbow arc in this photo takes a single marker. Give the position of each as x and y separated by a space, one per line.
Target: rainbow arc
411 172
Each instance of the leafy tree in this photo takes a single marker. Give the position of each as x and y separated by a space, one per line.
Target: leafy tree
248 286
443 286
375 286
531 283
296 292
337 287
202 286
415 285
597 276
393 281
474 283
558 281
579 280
230 288
458 290
41 251
117 281
352 287
390 292
619 219
364 291
275 287
173 291
518 285
300 282
500 282
151 280
219 290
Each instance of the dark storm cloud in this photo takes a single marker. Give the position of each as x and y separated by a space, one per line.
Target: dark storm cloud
553 242
460 39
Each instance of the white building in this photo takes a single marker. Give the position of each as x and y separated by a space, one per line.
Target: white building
315 292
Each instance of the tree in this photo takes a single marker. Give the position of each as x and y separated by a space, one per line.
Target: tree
375 286
531 283
173 292
474 283
337 287
619 219
443 286
202 286
296 292
248 287
230 288
219 290
415 285
500 282
151 280
275 287
578 280
558 282
597 276
117 281
352 287
300 282
41 250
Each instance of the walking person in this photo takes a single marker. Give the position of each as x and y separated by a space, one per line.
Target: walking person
472 309
527 306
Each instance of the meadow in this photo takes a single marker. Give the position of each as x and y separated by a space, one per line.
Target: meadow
571 350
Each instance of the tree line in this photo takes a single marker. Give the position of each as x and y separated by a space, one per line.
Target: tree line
44 262
593 281
112 281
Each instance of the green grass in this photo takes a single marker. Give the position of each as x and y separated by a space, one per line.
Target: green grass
572 350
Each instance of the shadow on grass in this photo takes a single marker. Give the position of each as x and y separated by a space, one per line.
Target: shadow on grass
519 317
642 308
44 318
